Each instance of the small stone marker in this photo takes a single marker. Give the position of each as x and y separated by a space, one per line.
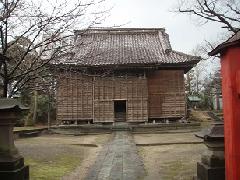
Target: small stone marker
11 162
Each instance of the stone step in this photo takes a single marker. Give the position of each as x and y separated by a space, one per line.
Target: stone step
121 126
214 116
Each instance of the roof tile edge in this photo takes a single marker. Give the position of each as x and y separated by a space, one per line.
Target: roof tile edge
117 30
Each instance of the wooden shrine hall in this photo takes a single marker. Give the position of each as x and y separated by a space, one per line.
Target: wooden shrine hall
122 74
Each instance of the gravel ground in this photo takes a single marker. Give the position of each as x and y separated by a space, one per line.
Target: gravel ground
54 157
170 162
165 138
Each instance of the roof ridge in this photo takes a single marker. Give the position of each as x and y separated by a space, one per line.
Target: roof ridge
118 30
184 54
233 35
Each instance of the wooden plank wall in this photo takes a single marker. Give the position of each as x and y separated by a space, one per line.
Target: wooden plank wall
160 95
132 89
103 99
166 94
84 98
74 97
137 95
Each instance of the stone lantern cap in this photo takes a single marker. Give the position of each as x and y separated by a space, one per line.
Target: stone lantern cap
10 104
213 133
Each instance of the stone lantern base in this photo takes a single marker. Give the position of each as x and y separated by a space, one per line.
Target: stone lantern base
14 169
209 173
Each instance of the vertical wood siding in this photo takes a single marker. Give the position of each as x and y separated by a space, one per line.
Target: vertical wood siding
160 95
132 89
166 94
74 97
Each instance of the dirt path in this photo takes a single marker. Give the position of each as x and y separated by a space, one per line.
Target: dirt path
119 160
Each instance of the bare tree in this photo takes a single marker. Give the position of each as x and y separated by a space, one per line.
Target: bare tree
225 12
32 34
193 80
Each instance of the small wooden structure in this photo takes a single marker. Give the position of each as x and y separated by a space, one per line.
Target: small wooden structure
230 69
122 74
193 101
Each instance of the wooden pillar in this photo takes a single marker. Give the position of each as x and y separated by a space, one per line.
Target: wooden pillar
230 63
93 97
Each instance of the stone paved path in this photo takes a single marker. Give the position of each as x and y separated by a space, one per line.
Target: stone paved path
118 160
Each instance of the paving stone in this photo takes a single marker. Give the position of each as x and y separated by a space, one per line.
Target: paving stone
118 160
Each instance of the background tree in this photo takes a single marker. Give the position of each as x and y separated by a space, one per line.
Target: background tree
193 82
34 33
212 87
225 12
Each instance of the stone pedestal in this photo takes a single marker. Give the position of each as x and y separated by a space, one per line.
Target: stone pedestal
212 165
11 163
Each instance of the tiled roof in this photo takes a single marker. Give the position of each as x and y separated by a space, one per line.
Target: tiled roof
194 98
121 46
232 41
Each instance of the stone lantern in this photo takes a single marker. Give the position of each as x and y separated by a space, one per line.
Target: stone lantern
212 165
11 162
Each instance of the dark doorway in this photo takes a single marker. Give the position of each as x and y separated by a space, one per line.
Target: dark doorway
120 110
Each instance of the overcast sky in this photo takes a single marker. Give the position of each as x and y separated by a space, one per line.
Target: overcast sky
184 32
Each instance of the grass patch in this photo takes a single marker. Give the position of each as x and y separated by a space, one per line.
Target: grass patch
27 128
52 170
101 140
178 170
206 124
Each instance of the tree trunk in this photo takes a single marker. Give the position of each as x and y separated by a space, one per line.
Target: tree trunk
49 110
32 115
188 84
5 88
35 107
197 85
217 102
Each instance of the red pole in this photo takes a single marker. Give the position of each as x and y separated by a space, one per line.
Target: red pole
230 64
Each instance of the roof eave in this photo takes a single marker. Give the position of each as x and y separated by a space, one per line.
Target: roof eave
186 66
222 47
